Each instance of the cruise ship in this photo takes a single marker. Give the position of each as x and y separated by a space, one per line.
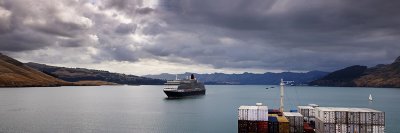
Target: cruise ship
181 88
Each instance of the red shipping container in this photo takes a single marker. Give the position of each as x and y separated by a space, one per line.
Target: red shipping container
262 127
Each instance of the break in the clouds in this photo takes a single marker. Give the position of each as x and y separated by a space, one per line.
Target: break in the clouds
154 36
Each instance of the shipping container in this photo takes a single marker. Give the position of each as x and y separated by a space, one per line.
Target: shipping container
378 129
253 113
322 127
349 120
253 119
307 128
325 114
262 127
242 126
283 124
312 122
341 128
306 111
378 117
252 126
295 121
353 117
275 111
273 125
341 116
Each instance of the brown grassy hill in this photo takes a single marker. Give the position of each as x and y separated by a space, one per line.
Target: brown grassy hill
381 76
93 83
83 74
15 74
361 76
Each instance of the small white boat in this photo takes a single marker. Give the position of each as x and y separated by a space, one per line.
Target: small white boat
370 97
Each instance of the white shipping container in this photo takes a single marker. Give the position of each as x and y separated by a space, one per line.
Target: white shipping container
363 117
325 114
381 118
378 117
306 111
341 128
329 128
321 127
353 128
353 117
262 113
242 115
363 128
341 116
369 118
295 121
378 129
369 129
253 113
350 120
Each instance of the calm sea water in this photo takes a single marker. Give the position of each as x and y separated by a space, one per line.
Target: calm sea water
146 109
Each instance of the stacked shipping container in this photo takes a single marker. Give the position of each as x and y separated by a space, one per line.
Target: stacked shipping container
273 124
308 113
349 120
308 128
253 119
295 121
283 124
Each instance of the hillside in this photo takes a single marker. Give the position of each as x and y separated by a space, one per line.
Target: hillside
343 77
79 74
15 74
361 76
247 78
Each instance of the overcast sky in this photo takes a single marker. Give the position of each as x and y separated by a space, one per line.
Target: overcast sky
204 36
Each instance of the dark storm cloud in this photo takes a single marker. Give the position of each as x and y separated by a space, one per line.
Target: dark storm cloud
294 35
23 40
32 25
145 10
129 7
262 34
125 28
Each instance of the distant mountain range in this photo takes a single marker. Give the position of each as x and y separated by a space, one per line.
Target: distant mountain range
16 74
361 76
79 74
247 78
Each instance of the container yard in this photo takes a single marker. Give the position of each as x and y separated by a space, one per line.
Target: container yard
353 120
309 119
257 119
